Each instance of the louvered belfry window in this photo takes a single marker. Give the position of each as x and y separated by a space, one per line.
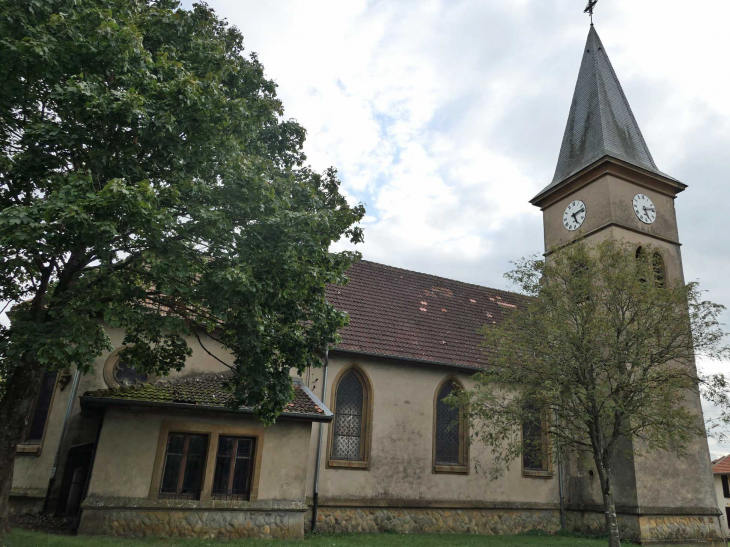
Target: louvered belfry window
347 442
447 429
657 265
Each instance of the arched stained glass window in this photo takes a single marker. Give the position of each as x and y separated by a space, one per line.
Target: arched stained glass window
347 442
127 376
534 449
448 429
118 373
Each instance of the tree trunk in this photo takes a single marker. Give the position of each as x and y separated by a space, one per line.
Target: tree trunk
609 507
15 408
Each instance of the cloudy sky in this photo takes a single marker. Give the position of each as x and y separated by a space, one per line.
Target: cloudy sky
445 117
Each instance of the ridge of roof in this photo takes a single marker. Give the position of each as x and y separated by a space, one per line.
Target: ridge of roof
600 122
440 278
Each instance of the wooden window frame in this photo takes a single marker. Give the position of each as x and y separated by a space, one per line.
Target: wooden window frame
35 448
183 464
229 496
725 487
547 471
366 432
214 431
463 467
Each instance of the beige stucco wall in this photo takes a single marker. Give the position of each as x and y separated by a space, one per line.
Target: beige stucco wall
129 441
691 475
610 215
609 199
401 450
723 503
31 471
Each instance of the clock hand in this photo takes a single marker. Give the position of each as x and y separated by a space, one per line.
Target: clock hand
576 213
649 209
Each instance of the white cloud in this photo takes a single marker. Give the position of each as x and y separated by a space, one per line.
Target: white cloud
446 117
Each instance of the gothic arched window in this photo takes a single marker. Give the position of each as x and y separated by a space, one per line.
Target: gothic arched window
449 452
535 460
350 426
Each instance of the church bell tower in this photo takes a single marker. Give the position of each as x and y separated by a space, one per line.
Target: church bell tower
607 186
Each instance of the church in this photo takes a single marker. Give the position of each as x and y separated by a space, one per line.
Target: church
367 445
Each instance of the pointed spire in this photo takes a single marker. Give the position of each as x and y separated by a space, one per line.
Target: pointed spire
600 122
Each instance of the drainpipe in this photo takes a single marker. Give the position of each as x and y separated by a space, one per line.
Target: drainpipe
69 408
315 494
560 482
562 496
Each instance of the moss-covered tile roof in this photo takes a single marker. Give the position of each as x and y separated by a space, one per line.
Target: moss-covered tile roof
204 391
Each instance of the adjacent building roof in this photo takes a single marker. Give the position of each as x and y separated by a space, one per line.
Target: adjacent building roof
203 391
600 122
410 315
721 466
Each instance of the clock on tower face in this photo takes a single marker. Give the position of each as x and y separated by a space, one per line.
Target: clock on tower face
574 215
644 209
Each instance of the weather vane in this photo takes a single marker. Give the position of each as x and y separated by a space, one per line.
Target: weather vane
589 9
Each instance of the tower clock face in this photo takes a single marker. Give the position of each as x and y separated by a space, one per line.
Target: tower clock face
574 215
644 209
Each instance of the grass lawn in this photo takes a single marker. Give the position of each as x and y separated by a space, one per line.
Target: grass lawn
22 538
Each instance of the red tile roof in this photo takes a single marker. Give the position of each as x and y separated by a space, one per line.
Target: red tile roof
721 466
400 313
203 391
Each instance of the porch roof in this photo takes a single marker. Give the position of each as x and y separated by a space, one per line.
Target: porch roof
203 392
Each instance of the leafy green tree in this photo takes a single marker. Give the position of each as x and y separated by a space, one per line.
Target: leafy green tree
148 181
602 352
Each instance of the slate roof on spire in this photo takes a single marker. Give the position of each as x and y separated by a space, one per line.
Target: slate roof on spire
600 122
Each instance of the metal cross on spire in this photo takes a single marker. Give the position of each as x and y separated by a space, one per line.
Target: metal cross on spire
589 9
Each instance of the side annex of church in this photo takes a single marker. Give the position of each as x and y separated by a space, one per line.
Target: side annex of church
367 445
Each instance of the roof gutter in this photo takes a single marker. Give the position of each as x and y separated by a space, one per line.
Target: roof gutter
96 402
407 359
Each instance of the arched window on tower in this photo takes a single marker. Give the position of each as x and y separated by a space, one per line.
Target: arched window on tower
658 269
639 258
450 443
350 427
657 266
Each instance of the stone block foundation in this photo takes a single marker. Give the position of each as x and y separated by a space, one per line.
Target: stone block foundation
681 529
645 529
652 529
186 518
435 521
24 506
25 503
